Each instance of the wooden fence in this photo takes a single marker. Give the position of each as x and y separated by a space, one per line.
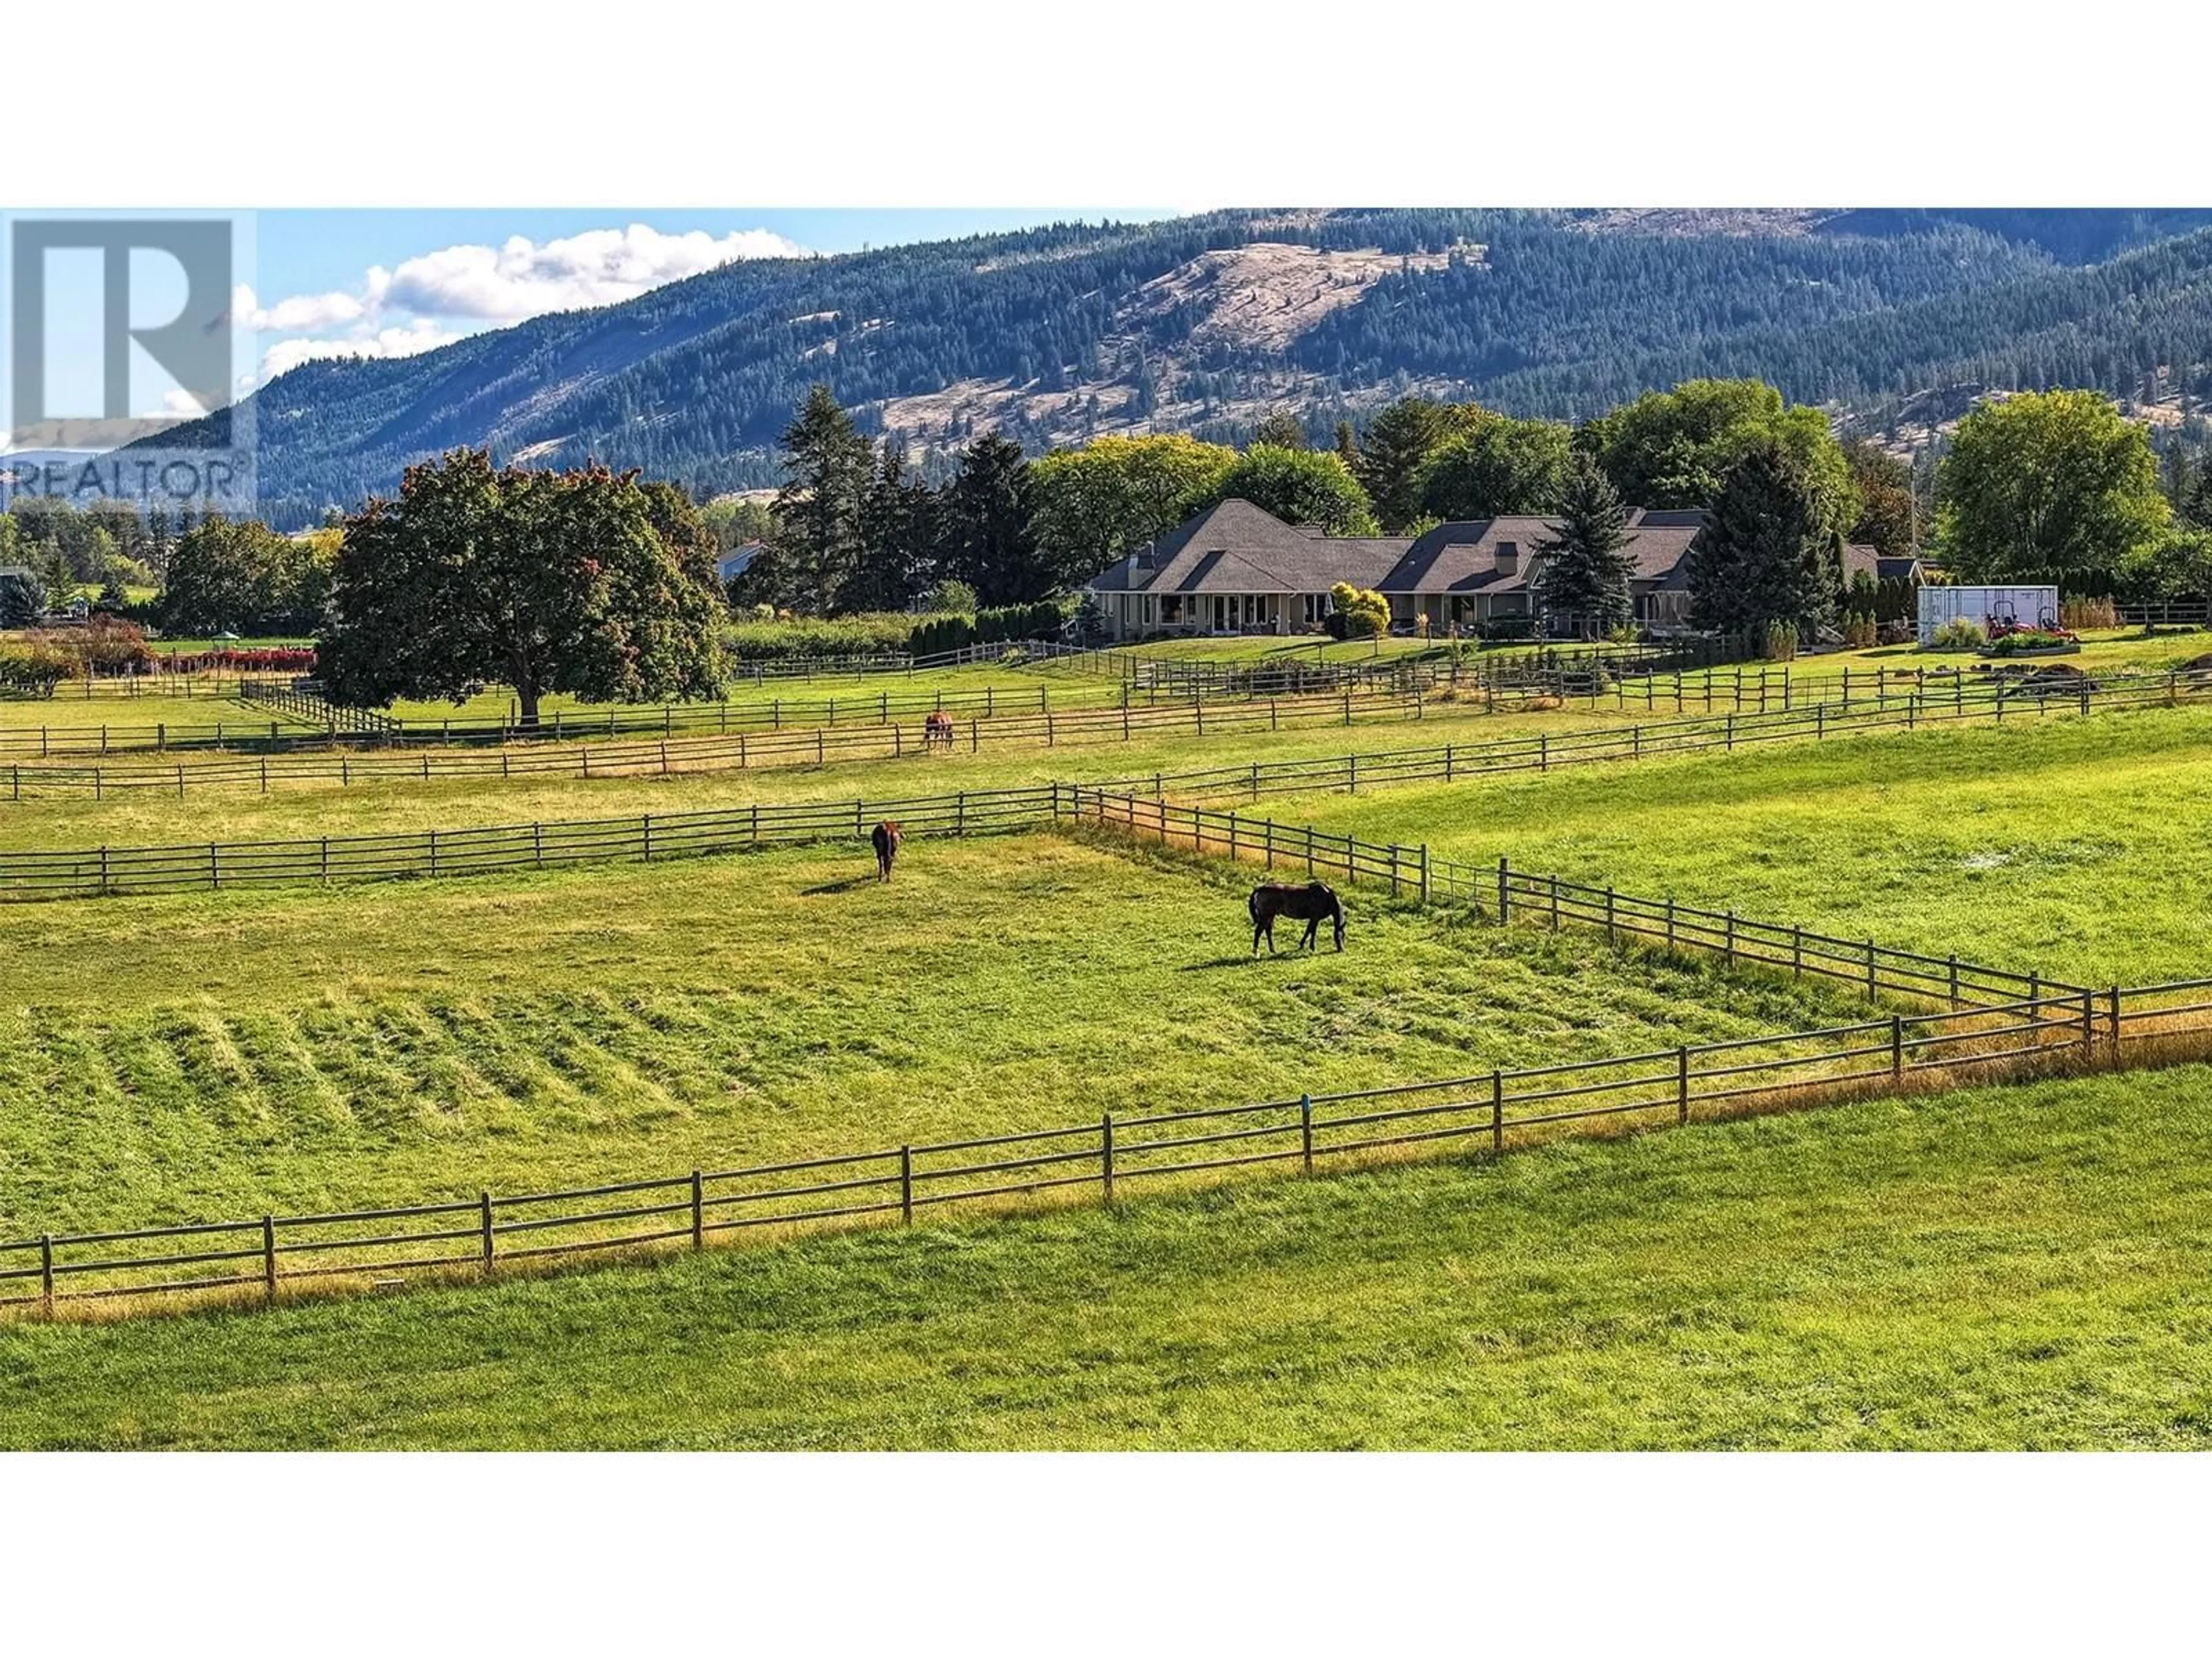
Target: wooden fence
101 871
1508 896
1958 1020
1876 707
1485 1112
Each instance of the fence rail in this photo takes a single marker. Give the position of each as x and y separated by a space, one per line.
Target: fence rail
1487 1112
322 765
1506 896
101 871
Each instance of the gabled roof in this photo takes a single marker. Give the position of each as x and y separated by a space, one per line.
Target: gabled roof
729 566
1237 548
1879 566
1234 547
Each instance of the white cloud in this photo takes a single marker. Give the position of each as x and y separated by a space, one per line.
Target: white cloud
435 299
302 313
521 278
395 342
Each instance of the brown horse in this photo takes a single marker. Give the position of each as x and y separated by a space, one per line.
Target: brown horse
937 729
1311 904
886 838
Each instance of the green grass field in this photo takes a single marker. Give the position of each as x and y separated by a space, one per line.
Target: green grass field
2082 849
859 696
203 1057
2005 1267
131 720
156 815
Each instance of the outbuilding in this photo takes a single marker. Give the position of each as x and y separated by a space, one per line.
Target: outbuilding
2032 607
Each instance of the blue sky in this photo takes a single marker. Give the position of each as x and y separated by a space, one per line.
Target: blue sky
394 282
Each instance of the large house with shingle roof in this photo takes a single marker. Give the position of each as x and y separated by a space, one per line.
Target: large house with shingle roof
1236 568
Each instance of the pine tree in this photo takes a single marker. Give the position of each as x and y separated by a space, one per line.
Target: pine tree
1396 451
1281 430
1763 557
898 536
2197 509
828 466
986 540
1586 567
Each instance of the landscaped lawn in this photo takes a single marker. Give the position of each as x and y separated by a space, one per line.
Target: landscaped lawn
219 1055
2078 847
2007 1267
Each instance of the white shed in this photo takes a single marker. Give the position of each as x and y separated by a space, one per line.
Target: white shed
1979 605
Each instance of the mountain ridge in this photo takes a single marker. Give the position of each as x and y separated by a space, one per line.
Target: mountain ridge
1203 324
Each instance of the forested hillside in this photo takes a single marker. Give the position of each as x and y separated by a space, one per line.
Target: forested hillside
1206 324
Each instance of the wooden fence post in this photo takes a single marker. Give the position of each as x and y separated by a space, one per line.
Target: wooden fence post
268 1259
46 1272
1610 937
1497 1113
2089 1024
1305 1131
1682 1083
698 1210
1106 1156
484 1218
1504 892
1796 950
1424 850
1870 976
2112 1011
1897 1048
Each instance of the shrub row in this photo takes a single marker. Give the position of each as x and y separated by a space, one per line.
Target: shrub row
34 670
1009 622
882 634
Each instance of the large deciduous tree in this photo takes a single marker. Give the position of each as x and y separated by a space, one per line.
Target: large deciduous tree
586 582
1585 568
237 575
1097 504
1299 486
1888 516
2046 482
1674 449
1501 466
2175 565
1765 556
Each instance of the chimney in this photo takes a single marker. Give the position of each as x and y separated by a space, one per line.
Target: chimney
1509 558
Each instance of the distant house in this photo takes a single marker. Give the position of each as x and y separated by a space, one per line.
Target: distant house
1238 568
735 562
1859 559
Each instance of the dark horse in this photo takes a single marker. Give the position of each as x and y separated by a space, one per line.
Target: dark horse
1308 904
886 838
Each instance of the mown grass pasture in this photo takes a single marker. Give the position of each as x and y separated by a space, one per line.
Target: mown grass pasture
204 1058
2082 849
2005 1268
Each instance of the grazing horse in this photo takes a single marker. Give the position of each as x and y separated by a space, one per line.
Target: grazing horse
886 838
1308 904
937 729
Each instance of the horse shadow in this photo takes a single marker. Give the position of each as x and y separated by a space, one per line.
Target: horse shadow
845 887
1220 961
